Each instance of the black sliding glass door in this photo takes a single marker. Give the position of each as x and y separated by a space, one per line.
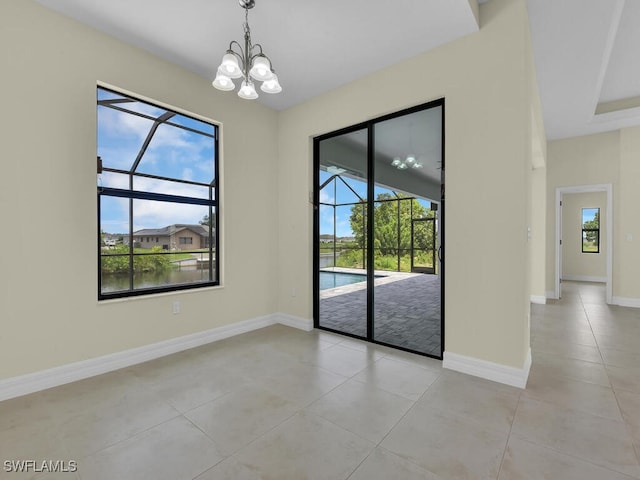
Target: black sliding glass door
378 230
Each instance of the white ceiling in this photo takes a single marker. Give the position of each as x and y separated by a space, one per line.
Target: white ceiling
586 55
585 50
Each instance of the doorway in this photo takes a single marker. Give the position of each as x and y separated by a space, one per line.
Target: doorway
607 234
378 230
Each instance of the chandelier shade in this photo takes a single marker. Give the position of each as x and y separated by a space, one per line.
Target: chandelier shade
247 90
271 85
223 82
248 63
261 69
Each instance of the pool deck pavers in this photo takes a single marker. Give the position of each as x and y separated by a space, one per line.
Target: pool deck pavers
406 310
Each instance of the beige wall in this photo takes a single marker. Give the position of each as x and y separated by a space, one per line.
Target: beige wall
627 222
486 81
575 264
48 294
606 158
50 69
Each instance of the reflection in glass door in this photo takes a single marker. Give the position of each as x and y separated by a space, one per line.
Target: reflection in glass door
342 241
379 230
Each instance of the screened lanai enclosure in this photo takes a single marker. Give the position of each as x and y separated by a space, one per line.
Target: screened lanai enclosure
379 202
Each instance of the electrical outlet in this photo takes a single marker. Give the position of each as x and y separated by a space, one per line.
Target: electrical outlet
176 308
293 292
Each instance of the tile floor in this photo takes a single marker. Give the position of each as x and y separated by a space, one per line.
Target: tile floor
284 404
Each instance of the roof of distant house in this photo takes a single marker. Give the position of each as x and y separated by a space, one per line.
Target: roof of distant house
171 229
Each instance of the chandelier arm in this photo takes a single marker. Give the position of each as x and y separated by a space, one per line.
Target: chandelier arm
231 50
259 54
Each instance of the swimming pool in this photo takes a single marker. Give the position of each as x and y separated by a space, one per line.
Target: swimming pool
339 279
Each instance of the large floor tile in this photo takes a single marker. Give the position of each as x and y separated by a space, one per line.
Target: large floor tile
572 394
91 393
97 428
26 410
400 378
525 460
344 361
480 401
362 408
301 383
33 441
599 440
566 349
384 465
578 337
189 390
171 451
619 341
236 419
303 447
630 406
557 365
446 444
620 358
414 359
625 378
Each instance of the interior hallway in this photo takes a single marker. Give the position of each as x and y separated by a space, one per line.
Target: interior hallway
282 403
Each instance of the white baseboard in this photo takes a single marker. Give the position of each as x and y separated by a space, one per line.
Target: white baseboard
584 278
516 377
539 299
71 372
305 324
626 302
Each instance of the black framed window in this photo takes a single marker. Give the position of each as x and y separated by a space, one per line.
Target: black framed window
157 198
590 230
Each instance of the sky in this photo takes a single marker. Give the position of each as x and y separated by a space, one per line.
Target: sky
173 152
588 214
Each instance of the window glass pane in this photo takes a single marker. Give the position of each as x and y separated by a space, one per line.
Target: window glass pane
109 95
114 244
168 187
591 218
155 269
193 123
177 153
114 218
145 109
590 241
378 190
120 137
168 221
350 190
113 180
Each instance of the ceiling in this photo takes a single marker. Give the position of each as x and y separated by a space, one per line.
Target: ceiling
584 50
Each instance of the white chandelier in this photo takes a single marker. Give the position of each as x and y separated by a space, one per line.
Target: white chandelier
410 161
249 64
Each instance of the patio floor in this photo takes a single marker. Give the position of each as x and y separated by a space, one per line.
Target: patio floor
406 311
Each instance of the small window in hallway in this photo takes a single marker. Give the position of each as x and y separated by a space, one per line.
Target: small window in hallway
590 230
